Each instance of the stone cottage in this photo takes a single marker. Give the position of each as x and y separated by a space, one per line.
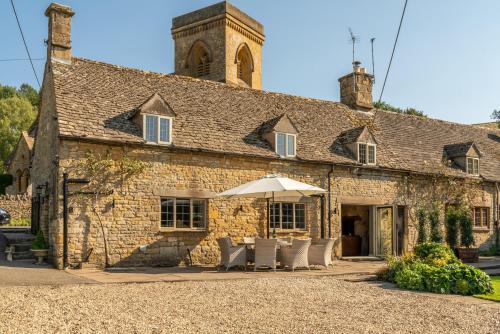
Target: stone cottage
156 148
18 164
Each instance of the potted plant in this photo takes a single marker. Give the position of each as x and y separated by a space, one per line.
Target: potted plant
465 252
39 248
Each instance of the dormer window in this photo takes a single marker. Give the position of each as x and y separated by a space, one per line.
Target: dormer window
157 129
367 153
285 144
473 166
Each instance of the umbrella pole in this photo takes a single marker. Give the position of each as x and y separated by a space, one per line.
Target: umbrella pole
268 217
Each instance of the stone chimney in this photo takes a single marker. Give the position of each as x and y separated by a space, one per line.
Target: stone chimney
59 39
356 88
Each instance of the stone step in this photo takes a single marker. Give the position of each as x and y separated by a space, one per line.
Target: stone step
22 255
361 258
24 247
492 272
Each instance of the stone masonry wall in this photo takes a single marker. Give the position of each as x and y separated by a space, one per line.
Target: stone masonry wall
19 206
130 215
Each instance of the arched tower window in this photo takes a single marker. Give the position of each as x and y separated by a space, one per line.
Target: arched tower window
25 180
200 59
244 65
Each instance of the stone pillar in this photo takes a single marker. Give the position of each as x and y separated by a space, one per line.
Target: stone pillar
59 38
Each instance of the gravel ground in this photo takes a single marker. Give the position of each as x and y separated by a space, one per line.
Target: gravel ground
290 305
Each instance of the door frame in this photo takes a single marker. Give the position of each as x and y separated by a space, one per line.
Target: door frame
375 229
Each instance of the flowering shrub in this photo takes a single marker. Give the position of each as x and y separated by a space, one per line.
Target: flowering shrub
435 268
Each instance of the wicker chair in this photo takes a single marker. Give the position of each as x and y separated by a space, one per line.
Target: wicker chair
265 253
231 256
250 245
320 253
249 240
296 255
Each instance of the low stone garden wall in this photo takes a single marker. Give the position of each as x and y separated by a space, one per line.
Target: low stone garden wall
19 206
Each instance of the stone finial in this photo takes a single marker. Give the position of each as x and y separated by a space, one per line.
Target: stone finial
356 89
59 38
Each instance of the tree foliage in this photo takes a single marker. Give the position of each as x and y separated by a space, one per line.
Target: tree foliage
407 111
496 116
18 109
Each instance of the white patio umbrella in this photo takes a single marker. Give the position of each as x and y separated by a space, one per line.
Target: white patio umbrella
271 185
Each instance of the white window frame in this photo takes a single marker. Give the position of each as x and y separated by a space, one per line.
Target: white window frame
280 228
366 154
158 129
467 165
286 144
191 228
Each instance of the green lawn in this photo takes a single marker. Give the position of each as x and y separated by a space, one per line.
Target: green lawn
495 296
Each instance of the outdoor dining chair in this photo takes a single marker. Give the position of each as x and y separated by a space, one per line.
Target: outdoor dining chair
320 253
265 253
296 256
231 256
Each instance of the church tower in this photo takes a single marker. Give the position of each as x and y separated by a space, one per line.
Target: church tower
219 43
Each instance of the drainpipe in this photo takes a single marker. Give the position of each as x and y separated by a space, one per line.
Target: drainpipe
330 202
496 212
322 215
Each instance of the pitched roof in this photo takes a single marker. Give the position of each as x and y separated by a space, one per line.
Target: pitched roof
95 100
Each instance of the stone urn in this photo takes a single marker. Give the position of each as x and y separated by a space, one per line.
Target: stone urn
40 254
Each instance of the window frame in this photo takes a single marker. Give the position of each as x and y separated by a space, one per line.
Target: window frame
287 135
190 228
484 219
158 129
280 215
467 165
366 151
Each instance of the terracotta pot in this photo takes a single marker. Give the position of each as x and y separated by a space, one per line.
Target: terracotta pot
40 254
468 254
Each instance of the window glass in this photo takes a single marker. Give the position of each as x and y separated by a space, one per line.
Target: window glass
165 130
300 216
481 217
281 144
290 145
287 216
199 213
362 153
371 154
274 215
475 168
151 128
182 213
167 212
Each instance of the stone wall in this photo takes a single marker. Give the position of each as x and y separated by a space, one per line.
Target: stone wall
19 206
130 214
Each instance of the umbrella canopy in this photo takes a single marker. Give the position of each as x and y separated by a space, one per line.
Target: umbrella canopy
271 185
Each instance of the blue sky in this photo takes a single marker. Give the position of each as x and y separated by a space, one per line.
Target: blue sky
447 62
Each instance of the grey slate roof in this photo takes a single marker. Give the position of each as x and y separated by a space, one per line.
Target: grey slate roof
94 100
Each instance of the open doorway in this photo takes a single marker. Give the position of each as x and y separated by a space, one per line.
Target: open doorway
355 230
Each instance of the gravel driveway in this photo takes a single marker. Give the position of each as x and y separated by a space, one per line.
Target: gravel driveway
291 305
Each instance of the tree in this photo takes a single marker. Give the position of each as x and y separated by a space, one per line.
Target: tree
18 109
407 111
496 116
422 222
434 222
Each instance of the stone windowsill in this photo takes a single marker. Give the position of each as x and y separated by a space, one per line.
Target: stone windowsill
481 229
166 229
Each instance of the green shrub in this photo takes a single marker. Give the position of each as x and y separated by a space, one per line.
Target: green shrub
434 223
435 268
408 278
20 222
422 222
5 181
451 222
435 254
466 234
39 242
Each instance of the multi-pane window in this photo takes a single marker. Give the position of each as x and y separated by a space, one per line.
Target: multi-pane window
157 129
183 213
286 144
473 166
481 217
366 153
287 216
